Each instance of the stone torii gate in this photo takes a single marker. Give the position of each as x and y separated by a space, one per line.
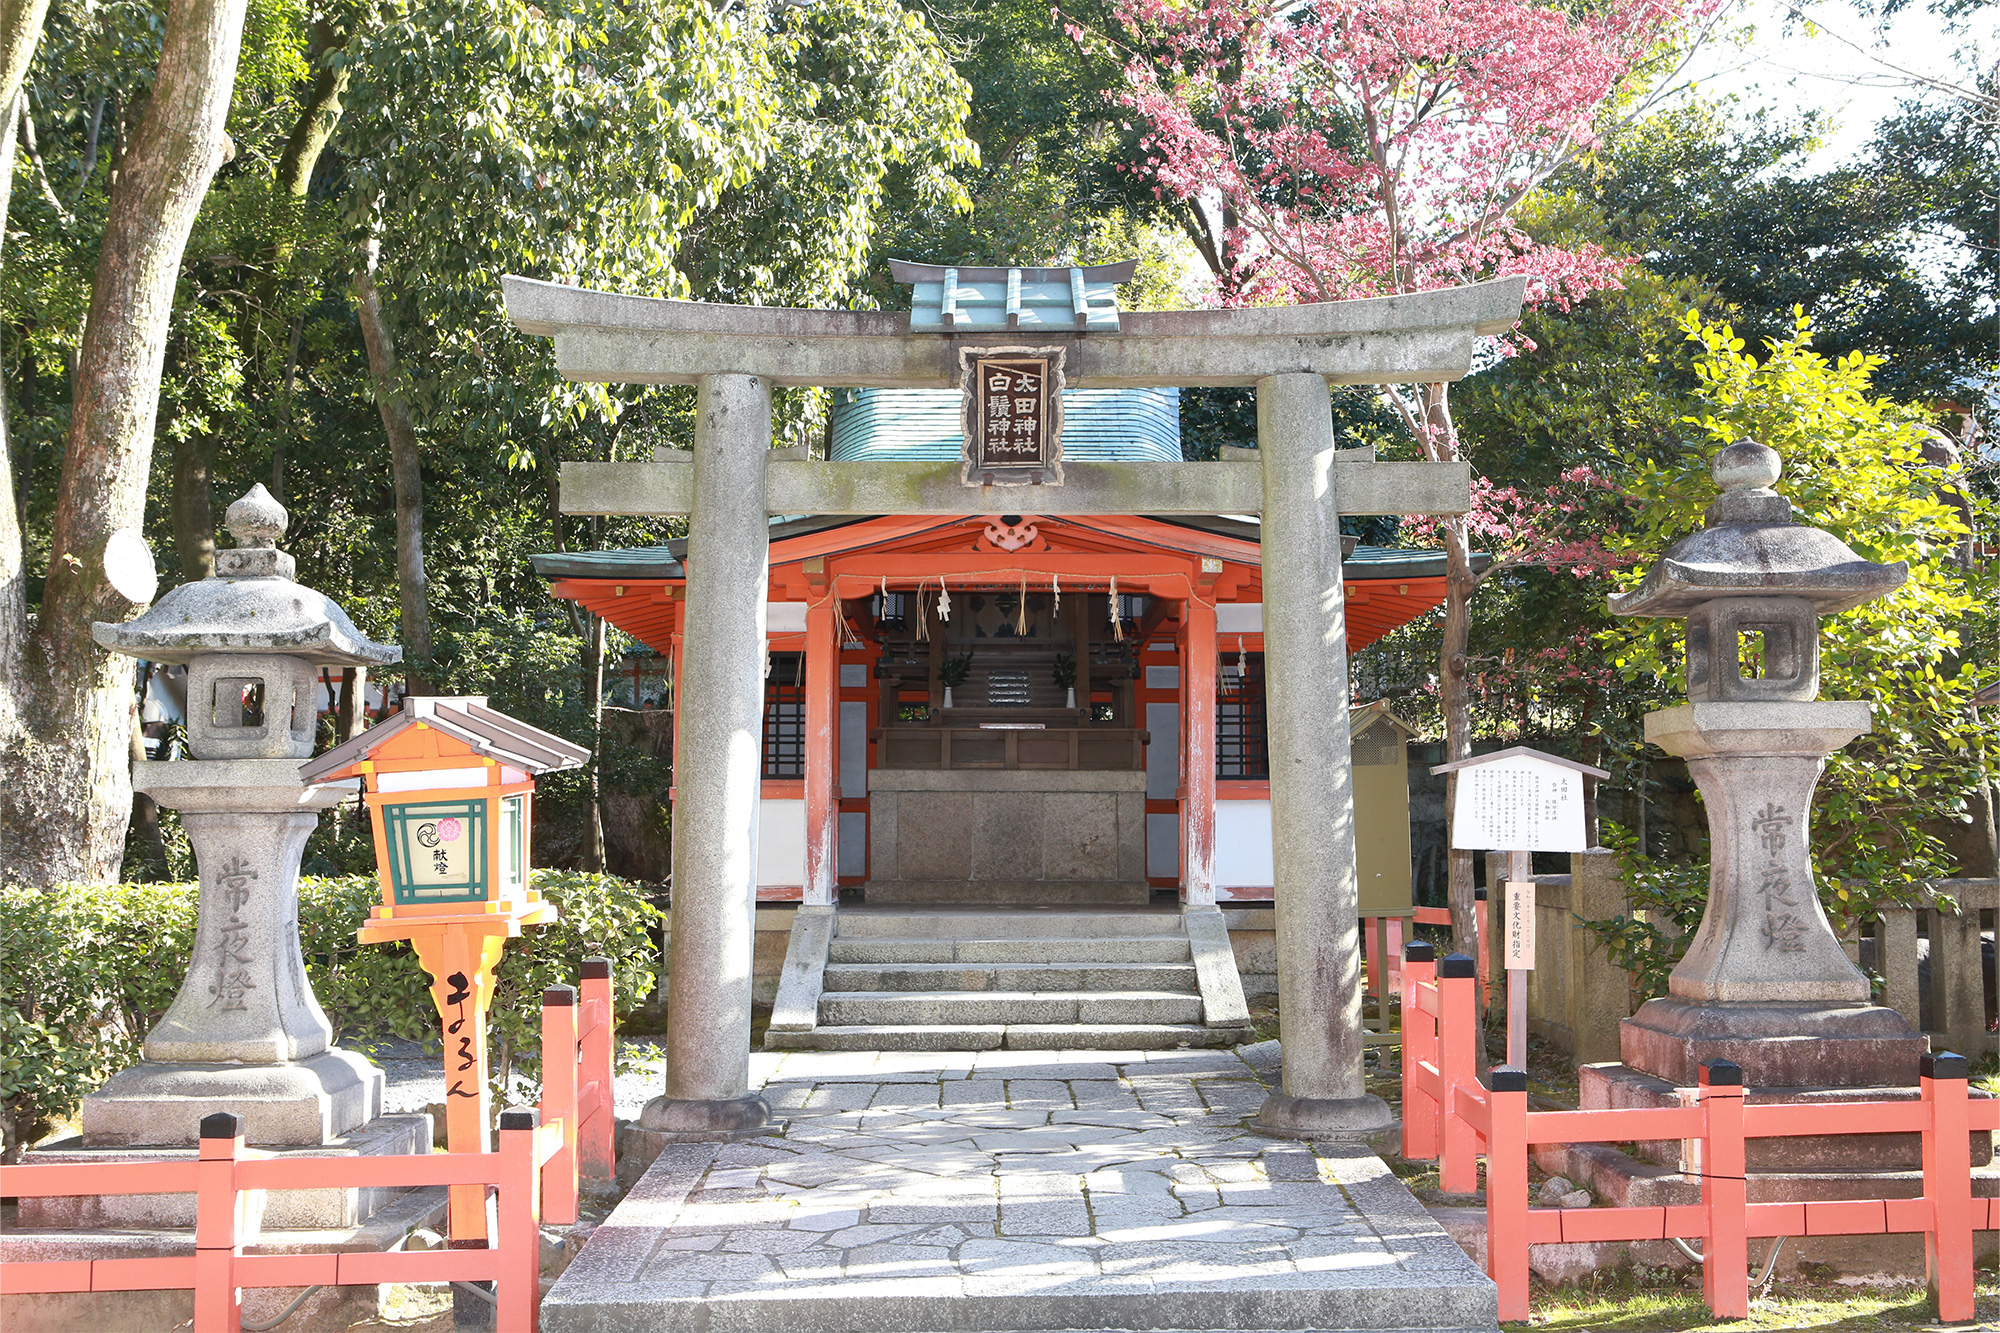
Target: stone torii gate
733 481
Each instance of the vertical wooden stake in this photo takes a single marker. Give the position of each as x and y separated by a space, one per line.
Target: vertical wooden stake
218 1224
1725 1262
1458 1063
1420 1109
1507 1189
1948 1185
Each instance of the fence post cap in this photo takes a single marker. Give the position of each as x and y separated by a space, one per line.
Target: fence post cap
520 1119
1721 1074
596 969
222 1125
1479 895
1457 965
559 995
1944 1064
1506 1078
1420 951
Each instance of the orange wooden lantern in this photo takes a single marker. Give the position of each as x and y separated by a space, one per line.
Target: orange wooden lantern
451 784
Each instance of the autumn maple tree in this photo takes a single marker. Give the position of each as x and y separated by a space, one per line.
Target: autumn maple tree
1354 148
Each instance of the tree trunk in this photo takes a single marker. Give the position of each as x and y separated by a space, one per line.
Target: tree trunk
352 718
1439 440
318 117
20 34
593 693
405 464
69 790
193 505
13 575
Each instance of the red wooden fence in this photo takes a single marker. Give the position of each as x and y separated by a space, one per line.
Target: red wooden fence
1450 1115
218 1269
540 1158
577 1089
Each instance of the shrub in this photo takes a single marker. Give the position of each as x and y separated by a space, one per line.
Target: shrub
86 970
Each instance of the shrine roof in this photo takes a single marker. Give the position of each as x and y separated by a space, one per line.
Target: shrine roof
1363 563
926 425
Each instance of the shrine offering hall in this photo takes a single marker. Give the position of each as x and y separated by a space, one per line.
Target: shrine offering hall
1022 709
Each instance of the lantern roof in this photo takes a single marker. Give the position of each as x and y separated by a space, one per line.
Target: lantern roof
1753 547
251 605
483 731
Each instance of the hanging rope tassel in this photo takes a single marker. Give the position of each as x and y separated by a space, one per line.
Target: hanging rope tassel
1117 625
923 621
1021 612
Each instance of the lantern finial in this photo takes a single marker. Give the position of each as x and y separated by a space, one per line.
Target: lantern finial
257 520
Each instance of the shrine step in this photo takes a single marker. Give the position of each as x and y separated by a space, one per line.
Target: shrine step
1030 976
1010 893
1142 949
963 1008
1002 1036
944 923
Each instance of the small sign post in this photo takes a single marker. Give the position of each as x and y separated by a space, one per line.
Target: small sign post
1519 801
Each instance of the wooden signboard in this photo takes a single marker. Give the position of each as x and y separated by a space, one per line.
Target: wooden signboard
1013 416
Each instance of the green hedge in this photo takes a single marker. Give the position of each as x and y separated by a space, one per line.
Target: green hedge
86 970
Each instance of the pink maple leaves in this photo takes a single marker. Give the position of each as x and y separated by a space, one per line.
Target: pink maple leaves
1364 147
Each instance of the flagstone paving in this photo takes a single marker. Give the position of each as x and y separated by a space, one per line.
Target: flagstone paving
1017 1190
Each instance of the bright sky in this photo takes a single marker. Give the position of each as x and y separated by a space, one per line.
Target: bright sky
1847 69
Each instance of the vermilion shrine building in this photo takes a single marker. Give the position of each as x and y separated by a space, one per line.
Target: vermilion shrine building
1021 789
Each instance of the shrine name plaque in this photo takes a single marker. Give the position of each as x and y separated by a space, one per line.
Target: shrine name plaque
1013 416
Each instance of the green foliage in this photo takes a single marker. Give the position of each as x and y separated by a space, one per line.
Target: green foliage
953 670
1667 899
1063 670
86 970
1854 466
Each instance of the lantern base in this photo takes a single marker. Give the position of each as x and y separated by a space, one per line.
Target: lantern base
301 1103
688 1120
1778 1045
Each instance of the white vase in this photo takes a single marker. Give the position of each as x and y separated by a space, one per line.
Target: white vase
1070 703
947 696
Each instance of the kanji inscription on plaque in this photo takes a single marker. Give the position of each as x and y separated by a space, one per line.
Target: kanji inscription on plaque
1013 416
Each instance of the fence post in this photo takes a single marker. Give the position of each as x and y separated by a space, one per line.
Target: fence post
596 1143
1458 1063
218 1225
1725 1261
1507 1188
559 1100
518 1291
1420 1109
1948 1185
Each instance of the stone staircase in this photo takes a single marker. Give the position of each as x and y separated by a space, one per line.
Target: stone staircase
914 979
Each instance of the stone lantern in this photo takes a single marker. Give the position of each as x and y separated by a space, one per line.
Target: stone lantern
244 1034
1765 982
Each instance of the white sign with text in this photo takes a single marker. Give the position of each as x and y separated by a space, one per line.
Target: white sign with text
1520 941
1519 804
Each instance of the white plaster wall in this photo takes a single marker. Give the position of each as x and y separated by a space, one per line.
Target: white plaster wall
784 617
781 843
1239 618
1243 844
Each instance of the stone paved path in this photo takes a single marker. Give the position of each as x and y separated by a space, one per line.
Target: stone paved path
1017 1190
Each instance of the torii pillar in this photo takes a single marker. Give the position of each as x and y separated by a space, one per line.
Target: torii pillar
1316 888
735 355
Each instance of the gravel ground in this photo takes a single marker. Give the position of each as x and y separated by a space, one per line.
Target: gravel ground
416 1075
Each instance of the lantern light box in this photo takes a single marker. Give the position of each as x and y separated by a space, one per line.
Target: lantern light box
451 785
